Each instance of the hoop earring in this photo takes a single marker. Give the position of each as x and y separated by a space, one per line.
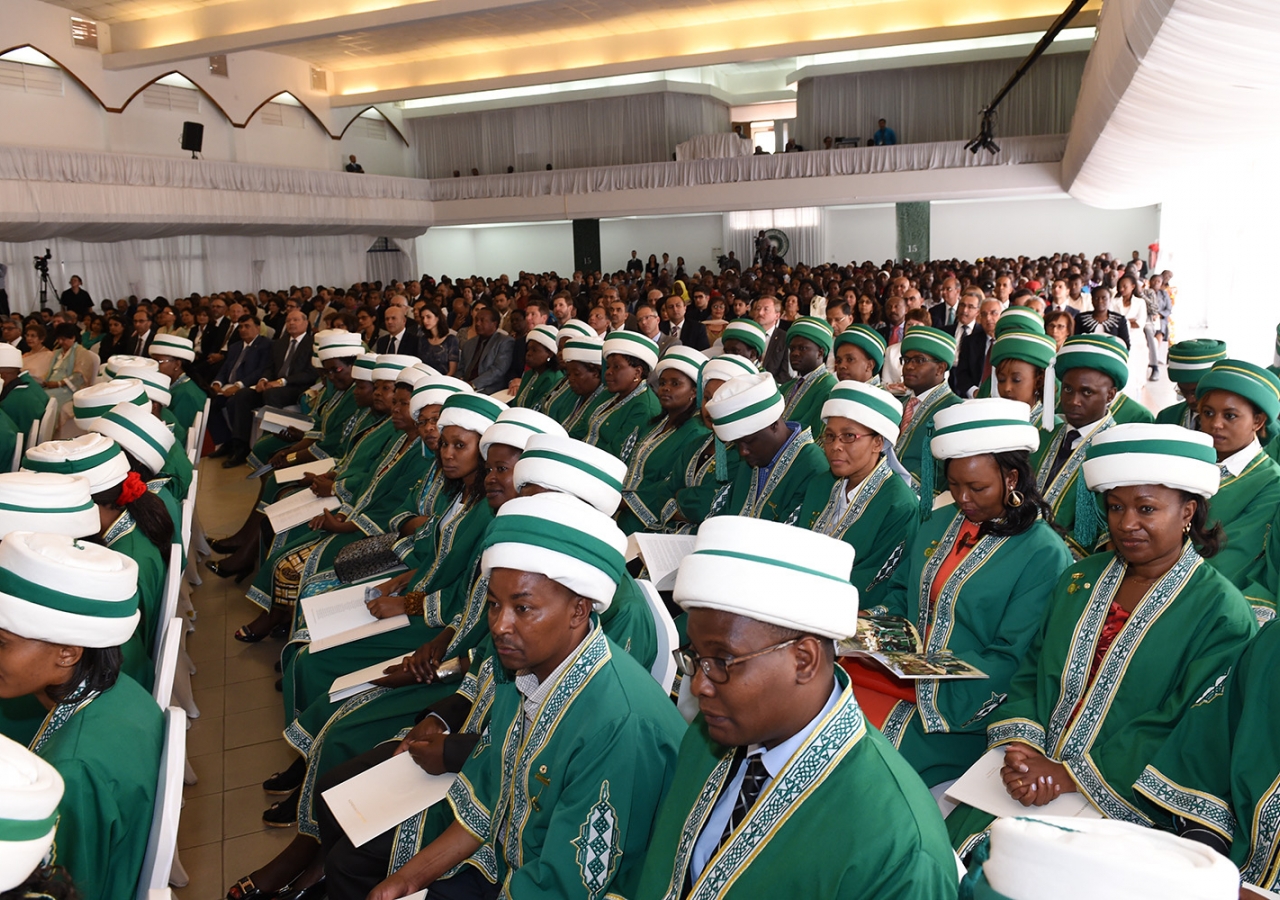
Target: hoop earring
1014 499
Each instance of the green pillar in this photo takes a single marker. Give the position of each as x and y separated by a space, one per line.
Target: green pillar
913 231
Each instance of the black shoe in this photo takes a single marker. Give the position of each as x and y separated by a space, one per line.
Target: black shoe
218 567
288 781
283 814
219 451
237 459
279 668
316 891
224 545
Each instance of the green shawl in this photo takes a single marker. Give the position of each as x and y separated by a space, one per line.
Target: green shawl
615 425
536 386
1067 492
1247 505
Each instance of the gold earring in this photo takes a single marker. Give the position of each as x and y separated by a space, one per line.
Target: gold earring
1015 499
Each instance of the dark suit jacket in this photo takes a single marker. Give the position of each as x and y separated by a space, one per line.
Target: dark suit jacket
300 372
408 344
136 345
971 358
257 358
776 357
693 334
214 335
938 312
492 365
885 328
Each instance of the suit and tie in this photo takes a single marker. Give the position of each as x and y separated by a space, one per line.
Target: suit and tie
971 363
777 359
290 362
944 317
484 362
244 365
405 343
892 334
692 334
139 344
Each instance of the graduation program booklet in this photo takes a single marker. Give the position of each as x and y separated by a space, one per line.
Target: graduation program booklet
340 617
894 643
277 421
295 473
297 509
661 554
983 788
380 798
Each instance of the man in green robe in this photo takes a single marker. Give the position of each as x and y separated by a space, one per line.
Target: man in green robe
1188 361
779 457
559 801
859 354
780 753
927 354
22 399
809 340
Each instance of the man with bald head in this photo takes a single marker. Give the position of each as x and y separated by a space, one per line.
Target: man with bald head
398 339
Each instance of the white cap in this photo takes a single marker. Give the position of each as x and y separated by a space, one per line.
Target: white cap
10 356
93 456
545 335
568 466
684 360
745 405
633 344
436 389
139 432
364 366
583 350
474 412
47 502
173 345
30 790
869 406
1140 453
515 426
95 400
988 425
155 382
120 362
389 365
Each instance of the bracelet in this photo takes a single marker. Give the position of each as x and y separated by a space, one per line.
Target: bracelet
291 457
413 603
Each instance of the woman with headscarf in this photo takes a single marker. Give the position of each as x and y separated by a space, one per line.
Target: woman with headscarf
1130 636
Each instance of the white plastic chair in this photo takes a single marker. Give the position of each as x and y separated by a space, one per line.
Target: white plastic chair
161 866
193 435
17 453
33 434
49 420
664 665
204 426
169 642
169 605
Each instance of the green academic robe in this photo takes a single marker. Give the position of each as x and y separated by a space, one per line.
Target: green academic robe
987 613
1188 627
577 411
780 497
1220 769
186 401
1067 492
805 395
1125 409
25 403
566 810
1177 414
107 750
1247 505
895 848
176 428
879 522
177 468
340 424
654 471
124 537
9 436
535 387
912 445
616 425
705 488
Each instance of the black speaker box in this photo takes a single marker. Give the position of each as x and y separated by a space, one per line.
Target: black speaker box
192 136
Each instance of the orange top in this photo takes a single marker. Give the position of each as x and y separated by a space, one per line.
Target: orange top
965 541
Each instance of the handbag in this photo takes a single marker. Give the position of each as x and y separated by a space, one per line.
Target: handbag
366 558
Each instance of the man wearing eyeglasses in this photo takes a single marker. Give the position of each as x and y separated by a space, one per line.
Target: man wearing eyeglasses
927 355
780 760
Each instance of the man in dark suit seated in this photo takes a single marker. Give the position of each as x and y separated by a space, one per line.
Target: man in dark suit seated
776 359
139 342
943 313
973 358
245 363
692 334
485 359
398 339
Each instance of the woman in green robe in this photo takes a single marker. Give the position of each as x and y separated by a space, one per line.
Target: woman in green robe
543 374
582 391
1217 778
615 425
1130 636
669 445
1188 362
864 502
67 607
1238 405
974 583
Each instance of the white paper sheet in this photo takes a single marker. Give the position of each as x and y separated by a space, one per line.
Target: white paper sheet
1258 891
340 617
298 508
662 554
417 895
983 788
382 797
360 681
295 473
277 422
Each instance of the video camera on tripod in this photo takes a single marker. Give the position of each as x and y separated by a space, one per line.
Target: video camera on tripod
42 266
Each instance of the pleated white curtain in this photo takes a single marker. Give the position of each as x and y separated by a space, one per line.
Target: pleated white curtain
939 103
804 228
609 131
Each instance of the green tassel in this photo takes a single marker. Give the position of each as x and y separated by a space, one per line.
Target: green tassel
973 874
928 474
1088 522
722 461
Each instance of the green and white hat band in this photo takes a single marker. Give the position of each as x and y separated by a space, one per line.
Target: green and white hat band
1259 386
62 590
786 576
685 360
1101 352
118 364
587 350
155 382
1037 349
1138 453
567 466
172 345
1019 318
516 427
411 377
30 790
575 328
931 341
873 407
746 331
727 366
472 411
1188 360
546 336
561 537
364 365
812 329
334 344
866 339
435 389
49 503
93 456
140 433
988 425
1049 858
389 365
97 400
745 405
633 344
10 356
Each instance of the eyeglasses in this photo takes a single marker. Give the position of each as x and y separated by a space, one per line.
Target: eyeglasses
915 359
716 668
848 437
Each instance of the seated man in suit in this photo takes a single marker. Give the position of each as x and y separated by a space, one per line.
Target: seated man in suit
775 360
691 334
944 312
398 340
485 359
973 359
245 363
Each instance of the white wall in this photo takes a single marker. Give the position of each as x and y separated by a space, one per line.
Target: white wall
970 229
697 238
497 249
860 233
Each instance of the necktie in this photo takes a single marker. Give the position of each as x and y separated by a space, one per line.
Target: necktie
1226 473
235 369
986 365
288 357
395 344
1063 453
909 411
951 315
752 784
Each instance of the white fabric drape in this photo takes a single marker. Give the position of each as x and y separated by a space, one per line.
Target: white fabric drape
805 230
177 266
713 146
939 103
388 266
609 131
812 164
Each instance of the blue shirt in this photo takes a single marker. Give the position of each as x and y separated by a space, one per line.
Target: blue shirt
762 473
884 136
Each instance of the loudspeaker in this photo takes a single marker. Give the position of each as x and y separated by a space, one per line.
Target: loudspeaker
192 136
586 245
